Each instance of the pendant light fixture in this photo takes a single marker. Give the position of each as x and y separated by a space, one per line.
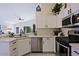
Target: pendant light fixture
38 8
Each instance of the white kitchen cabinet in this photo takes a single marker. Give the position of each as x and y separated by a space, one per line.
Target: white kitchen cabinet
21 47
28 45
51 21
24 46
46 21
40 21
59 19
48 44
8 48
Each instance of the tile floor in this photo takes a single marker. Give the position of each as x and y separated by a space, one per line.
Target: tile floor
41 54
44 54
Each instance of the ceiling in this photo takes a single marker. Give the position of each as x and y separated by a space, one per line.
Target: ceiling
10 12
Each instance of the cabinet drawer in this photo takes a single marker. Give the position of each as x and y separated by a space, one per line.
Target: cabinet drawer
12 43
14 53
13 48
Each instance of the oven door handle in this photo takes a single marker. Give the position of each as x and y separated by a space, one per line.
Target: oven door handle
76 52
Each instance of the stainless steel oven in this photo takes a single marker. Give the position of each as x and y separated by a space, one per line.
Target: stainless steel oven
62 46
74 42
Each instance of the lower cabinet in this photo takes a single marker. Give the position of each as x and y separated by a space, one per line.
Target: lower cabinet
48 44
24 46
28 45
8 48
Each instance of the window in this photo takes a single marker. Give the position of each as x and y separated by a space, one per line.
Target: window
27 29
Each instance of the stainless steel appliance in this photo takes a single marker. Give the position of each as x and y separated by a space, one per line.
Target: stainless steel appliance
36 44
71 21
74 42
62 46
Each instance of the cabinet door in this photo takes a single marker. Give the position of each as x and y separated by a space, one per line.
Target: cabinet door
21 47
48 45
46 21
40 21
24 46
51 21
59 20
28 45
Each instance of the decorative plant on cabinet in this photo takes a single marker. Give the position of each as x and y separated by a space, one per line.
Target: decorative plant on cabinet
57 8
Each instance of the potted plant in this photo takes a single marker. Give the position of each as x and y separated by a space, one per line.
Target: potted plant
57 8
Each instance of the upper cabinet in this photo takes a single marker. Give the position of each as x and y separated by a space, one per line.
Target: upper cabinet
51 21
59 19
45 18
46 21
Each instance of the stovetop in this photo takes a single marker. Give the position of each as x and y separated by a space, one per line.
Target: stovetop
63 40
66 40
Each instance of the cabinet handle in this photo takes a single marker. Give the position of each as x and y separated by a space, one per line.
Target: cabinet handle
14 42
29 42
14 49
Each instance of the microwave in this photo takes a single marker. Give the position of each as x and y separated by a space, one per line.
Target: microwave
75 18
66 21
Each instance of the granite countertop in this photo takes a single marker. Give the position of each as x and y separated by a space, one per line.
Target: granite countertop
41 36
9 39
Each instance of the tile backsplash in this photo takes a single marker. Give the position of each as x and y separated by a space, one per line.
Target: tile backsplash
65 31
45 31
50 31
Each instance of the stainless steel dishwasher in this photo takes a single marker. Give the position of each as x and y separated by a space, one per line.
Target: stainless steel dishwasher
36 44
